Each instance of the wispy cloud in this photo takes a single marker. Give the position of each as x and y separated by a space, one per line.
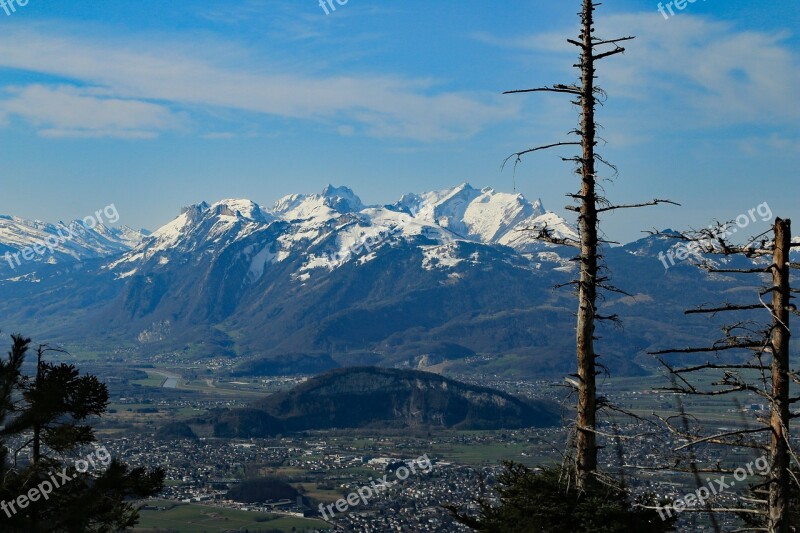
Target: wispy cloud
68 111
235 12
697 71
159 77
774 144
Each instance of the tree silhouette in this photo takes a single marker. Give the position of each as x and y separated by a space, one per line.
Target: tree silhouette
752 358
591 204
46 480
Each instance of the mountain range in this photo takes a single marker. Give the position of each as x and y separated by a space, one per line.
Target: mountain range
445 279
59 243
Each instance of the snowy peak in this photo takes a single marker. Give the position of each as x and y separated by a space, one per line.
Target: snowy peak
232 207
329 229
480 215
795 252
408 203
538 208
448 208
303 207
424 206
201 225
491 215
332 202
342 199
26 243
324 230
128 236
288 204
239 208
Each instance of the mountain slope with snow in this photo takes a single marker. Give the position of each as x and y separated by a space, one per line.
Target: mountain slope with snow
329 229
24 244
323 280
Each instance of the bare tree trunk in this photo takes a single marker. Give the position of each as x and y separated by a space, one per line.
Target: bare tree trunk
779 417
586 454
588 224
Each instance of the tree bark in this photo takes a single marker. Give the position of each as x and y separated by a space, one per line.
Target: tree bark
586 453
779 415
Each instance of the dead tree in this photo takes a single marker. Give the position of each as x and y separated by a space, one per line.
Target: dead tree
766 373
590 204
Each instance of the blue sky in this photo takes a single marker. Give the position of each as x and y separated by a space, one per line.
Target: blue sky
154 105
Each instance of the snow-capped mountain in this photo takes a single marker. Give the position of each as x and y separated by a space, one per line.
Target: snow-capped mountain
329 229
323 280
26 243
480 215
305 206
198 227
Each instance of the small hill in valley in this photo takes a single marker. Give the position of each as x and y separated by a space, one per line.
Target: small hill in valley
372 397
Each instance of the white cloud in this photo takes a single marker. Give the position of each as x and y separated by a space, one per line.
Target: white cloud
698 72
346 130
774 144
724 75
219 135
386 106
94 133
68 111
